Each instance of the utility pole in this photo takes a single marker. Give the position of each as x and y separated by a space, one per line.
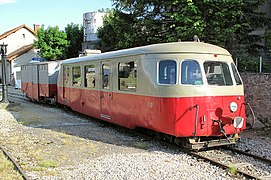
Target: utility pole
3 51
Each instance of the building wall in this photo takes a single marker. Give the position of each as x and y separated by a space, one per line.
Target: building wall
18 39
21 60
258 94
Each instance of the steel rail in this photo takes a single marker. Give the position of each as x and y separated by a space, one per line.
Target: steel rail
268 161
17 166
212 161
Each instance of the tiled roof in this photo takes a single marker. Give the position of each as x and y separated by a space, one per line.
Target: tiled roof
19 52
4 35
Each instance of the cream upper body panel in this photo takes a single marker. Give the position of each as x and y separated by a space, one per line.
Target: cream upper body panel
148 58
181 90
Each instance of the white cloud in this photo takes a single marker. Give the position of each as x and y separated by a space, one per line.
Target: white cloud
2 2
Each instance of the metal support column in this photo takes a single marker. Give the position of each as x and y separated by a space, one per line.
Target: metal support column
4 73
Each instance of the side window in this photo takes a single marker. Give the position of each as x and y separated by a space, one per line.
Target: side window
236 74
217 73
105 76
76 76
89 76
191 73
66 76
167 72
127 72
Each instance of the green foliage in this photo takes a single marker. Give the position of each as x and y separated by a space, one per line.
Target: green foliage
227 23
52 43
75 35
247 63
268 40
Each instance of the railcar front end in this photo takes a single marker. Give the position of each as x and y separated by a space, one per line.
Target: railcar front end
207 95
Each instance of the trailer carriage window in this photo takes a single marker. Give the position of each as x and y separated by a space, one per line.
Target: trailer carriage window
217 73
236 75
76 76
167 72
191 73
90 76
127 72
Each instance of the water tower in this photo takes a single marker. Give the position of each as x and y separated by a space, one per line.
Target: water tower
92 21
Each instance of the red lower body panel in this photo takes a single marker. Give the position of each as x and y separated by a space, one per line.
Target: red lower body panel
180 117
38 91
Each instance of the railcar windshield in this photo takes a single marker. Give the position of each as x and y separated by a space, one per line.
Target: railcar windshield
191 73
167 72
217 73
236 75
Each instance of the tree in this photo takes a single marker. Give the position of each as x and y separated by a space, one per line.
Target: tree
227 23
75 35
51 42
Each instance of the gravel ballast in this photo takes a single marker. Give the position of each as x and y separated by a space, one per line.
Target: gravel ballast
50 143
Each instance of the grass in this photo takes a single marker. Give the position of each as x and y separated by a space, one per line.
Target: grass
232 170
141 145
48 164
7 171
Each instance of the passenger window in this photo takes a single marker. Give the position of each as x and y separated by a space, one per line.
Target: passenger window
127 72
236 74
217 73
105 76
191 73
167 72
90 76
76 76
66 75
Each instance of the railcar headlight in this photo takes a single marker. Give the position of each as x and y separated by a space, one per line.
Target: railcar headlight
233 106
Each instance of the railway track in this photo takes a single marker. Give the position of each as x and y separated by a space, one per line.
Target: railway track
16 165
5 152
239 165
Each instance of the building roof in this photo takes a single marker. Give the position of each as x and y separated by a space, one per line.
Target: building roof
19 52
4 35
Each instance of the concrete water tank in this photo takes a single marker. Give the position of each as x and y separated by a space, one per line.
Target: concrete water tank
92 21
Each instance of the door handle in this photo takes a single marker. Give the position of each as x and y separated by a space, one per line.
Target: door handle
110 95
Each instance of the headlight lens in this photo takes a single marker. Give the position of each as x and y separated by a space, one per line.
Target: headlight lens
233 106
238 122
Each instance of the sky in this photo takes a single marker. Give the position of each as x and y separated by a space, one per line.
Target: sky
14 13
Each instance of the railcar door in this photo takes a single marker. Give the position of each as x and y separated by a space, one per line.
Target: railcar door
106 91
33 92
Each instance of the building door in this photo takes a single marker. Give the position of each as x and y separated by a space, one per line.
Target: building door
106 91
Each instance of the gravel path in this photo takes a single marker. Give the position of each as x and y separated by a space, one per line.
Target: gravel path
50 143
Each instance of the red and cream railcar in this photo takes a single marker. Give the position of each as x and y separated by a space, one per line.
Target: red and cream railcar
185 90
39 80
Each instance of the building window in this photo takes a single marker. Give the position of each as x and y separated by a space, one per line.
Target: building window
127 72
167 72
90 76
23 36
76 76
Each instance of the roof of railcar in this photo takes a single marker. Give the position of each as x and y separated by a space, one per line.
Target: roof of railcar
175 47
